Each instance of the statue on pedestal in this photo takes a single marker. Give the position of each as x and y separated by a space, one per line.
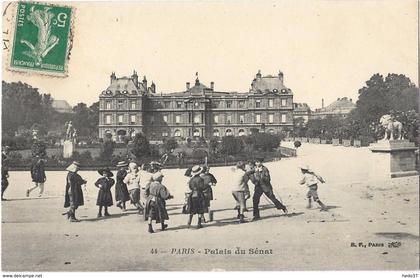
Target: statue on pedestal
392 127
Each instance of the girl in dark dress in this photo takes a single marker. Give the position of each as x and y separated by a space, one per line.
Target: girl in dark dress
157 194
209 181
121 191
197 200
104 195
74 195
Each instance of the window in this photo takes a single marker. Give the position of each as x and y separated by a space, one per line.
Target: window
271 102
120 119
241 132
271 118
165 118
241 104
177 119
229 132
257 118
216 119
283 102
258 103
177 133
242 119
133 104
179 104
166 104
132 119
271 131
152 119
108 119
216 104
165 134
120 104
108 104
196 104
228 119
228 104
197 119
283 118
196 133
216 133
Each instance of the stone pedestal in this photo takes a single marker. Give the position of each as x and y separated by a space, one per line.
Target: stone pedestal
68 148
393 158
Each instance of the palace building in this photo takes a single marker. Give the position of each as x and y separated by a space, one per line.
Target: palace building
129 106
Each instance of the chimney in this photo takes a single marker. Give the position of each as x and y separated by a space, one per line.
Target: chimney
281 76
212 86
153 87
135 78
188 85
144 82
113 77
322 103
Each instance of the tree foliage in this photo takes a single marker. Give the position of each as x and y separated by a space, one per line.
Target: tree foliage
141 146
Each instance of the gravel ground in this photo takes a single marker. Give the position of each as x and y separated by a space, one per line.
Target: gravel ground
369 214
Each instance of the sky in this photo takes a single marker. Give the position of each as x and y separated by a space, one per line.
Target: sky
326 49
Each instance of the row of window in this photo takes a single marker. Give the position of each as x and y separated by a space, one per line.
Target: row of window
216 132
197 119
180 104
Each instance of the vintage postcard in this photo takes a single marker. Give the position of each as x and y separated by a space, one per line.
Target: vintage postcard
210 136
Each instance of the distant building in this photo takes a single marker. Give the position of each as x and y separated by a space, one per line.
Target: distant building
301 110
61 106
340 107
128 106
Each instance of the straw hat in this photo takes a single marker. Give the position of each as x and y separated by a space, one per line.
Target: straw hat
107 171
304 167
73 167
122 164
196 169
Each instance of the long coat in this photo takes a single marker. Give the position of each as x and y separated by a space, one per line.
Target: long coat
121 191
38 171
208 191
196 201
104 194
155 209
263 179
74 193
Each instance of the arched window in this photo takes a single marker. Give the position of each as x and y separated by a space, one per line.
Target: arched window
229 132
241 132
216 133
271 131
177 133
196 133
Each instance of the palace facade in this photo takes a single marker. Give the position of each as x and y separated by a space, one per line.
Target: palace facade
129 106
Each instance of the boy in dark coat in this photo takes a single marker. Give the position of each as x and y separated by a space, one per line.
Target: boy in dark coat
74 195
121 191
157 194
104 195
209 181
263 186
38 175
196 201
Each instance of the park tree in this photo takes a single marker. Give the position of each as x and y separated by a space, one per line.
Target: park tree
231 145
85 119
39 148
170 144
141 146
107 150
213 145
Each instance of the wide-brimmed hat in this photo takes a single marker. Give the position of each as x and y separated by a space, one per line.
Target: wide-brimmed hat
196 169
304 167
107 171
156 164
73 167
157 175
122 164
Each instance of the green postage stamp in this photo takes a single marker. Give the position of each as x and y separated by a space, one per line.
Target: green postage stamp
42 38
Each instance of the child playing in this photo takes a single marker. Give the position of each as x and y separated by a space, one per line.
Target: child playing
310 179
104 195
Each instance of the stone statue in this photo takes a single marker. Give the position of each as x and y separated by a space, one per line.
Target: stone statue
69 130
392 127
